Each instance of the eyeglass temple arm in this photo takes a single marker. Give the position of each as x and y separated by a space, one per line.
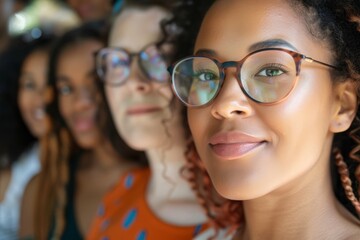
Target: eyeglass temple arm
309 59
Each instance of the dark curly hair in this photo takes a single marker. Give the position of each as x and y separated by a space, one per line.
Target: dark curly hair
337 23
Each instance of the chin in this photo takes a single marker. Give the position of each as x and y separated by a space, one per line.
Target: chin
87 143
239 189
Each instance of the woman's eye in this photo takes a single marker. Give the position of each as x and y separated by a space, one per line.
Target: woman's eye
207 76
116 63
29 85
64 90
270 72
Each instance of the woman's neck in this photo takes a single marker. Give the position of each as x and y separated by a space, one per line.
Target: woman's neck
169 195
103 157
305 209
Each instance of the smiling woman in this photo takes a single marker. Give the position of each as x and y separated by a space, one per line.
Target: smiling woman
272 109
158 203
23 68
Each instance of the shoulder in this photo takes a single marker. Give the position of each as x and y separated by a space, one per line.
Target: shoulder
27 212
134 176
29 163
130 182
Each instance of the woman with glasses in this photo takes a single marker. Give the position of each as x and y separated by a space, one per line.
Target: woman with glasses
80 162
154 202
272 91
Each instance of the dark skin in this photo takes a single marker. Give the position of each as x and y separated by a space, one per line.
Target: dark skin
278 195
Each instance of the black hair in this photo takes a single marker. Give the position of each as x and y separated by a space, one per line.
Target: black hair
15 137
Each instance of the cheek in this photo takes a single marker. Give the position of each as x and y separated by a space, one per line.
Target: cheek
198 124
113 97
22 102
116 99
64 107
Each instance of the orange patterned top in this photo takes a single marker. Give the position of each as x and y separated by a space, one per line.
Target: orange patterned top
125 214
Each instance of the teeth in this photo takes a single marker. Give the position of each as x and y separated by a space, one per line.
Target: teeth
39 113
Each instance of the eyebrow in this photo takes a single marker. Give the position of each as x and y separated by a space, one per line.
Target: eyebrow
62 79
205 51
270 43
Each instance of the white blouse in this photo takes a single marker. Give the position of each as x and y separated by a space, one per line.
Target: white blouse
21 173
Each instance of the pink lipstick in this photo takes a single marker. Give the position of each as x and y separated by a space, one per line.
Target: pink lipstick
234 145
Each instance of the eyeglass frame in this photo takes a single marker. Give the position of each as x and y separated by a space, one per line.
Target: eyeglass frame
131 55
298 57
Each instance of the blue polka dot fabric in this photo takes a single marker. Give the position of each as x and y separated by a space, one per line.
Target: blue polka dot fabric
129 219
126 215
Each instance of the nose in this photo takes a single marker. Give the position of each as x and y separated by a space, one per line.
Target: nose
231 101
137 81
84 98
39 97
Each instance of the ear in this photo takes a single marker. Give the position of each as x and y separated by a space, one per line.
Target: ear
346 106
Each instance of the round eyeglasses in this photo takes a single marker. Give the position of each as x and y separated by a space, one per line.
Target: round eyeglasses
113 64
265 76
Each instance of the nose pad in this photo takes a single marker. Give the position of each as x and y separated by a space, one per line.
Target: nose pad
230 101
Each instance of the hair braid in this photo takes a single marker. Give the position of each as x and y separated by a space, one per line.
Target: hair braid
221 212
345 179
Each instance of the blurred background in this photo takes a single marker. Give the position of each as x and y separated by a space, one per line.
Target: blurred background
29 16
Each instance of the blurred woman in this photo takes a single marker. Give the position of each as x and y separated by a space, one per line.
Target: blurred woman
80 164
154 202
23 69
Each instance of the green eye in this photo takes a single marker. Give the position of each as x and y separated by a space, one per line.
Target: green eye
270 72
207 76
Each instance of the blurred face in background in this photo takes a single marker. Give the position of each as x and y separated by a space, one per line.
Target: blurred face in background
141 107
91 9
32 89
79 97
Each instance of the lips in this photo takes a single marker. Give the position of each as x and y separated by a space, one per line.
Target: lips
234 145
142 109
83 124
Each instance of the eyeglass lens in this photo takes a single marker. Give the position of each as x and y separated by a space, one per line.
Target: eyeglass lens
266 77
114 65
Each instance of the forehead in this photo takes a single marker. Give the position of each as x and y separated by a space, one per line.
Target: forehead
234 26
39 55
78 58
135 28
